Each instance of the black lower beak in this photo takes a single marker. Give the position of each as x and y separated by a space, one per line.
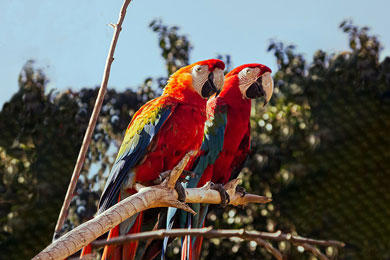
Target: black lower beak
256 90
209 88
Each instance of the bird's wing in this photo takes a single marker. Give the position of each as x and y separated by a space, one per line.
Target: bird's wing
141 131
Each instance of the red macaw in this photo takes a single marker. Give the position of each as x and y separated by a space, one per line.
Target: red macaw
161 132
226 143
225 146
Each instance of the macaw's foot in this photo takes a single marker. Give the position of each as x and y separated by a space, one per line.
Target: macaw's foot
241 190
162 177
225 198
182 178
178 186
180 192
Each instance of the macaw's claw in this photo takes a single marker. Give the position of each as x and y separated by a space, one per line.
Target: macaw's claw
178 187
241 190
162 177
225 198
188 173
180 192
183 178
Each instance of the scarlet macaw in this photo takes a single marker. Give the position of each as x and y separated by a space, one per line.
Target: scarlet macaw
225 147
161 132
226 144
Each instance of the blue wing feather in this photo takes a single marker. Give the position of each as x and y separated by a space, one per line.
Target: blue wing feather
211 146
135 149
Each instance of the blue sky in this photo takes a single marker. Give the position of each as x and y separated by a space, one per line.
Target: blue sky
70 39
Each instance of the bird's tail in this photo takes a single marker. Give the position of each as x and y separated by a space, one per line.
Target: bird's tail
127 250
166 219
186 253
123 251
186 247
192 246
197 247
86 252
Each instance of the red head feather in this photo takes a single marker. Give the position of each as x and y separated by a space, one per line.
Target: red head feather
180 83
262 68
230 89
212 63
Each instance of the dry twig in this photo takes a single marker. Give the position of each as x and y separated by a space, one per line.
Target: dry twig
315 251
162 195
92 122
272 250
208 232
212 233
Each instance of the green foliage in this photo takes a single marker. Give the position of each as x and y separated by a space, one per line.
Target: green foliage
175 48
320 149
40 140
40 134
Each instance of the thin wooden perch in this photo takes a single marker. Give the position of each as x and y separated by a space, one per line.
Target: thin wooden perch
259 237
313 250
162 195
92 122
212 233
272 250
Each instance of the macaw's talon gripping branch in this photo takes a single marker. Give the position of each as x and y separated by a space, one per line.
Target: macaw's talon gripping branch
163 195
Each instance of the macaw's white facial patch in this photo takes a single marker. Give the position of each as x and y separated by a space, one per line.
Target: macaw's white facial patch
206 83
199 75
247 77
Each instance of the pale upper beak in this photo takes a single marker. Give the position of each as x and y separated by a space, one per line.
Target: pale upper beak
213 84
263 86
268 86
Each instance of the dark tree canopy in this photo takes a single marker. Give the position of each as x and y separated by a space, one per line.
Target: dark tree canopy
320 149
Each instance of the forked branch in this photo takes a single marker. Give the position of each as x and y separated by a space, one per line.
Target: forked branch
162 195
92 122
261 238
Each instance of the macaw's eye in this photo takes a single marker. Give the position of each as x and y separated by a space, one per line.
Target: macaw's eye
248 70
198 68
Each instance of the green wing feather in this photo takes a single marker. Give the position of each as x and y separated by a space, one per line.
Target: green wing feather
140 133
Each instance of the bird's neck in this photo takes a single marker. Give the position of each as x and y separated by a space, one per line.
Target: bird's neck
232 96
185 95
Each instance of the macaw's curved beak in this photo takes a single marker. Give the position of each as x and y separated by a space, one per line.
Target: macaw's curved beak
262 87
209 87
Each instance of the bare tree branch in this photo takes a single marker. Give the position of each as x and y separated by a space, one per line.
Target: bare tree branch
272 250
315 251
162 195
92 122
208 232
212 233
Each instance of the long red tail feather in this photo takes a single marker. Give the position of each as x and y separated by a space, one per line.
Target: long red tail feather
186 249
86 251
197 248
126 251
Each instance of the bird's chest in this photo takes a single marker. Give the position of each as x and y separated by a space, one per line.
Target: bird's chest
234 133
184 129
181 133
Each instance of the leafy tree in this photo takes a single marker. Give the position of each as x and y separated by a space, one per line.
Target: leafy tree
39 142
39 136
320 149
